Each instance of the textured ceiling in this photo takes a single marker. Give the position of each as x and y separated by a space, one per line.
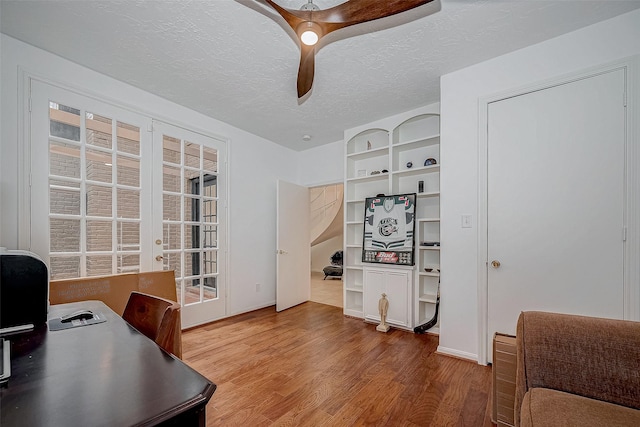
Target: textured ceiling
234 60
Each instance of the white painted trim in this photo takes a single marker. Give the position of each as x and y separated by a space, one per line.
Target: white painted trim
632 181
457 353
24 160
631 66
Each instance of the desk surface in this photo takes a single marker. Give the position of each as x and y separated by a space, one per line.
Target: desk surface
102 374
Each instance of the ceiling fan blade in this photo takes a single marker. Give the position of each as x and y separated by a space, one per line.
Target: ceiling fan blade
306 70
358 11
293 17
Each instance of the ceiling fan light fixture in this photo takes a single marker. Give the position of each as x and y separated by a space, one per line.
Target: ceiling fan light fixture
309 33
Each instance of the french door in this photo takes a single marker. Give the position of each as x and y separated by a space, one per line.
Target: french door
189 196
113 192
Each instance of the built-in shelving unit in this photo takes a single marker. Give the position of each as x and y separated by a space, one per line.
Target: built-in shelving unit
388 157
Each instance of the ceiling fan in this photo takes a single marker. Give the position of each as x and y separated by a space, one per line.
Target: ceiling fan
311 24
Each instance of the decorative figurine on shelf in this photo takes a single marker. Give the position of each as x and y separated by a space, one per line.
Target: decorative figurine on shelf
383 307
368 145
430 161
409 165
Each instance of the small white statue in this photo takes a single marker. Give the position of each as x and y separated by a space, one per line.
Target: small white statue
383 307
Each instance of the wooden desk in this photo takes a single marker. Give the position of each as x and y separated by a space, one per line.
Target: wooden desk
104 374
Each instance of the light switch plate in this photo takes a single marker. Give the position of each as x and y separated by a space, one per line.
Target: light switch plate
466 221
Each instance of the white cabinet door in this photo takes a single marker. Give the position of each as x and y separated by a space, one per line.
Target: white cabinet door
396 284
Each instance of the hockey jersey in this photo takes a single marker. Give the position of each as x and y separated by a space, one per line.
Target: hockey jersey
390 223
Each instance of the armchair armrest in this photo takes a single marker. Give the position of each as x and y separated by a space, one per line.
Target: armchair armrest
592 357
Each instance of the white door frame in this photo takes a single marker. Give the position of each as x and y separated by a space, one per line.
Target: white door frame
631 275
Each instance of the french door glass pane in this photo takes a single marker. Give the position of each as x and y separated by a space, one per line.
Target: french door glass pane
128 171
171 179
99 236
99 131
99 201
99 166
64 234
192 155
64 159
64 267
128 139
64 200
99 265
128 203
210 160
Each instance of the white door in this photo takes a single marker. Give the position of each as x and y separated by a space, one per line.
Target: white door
293 285
90 185
189 228
556 164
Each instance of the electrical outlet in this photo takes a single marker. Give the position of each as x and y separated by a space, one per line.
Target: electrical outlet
258 287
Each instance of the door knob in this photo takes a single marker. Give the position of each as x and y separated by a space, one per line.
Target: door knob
495 263
159 258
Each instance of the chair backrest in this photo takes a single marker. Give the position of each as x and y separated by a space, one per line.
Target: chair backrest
157 318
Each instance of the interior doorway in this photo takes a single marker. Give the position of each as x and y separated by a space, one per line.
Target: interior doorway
326 239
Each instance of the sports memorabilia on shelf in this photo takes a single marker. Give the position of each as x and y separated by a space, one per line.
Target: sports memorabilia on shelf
389 223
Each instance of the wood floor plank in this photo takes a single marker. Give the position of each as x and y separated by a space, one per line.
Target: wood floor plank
312 366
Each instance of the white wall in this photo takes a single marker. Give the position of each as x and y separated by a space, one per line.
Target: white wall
460 93
321 165
255 165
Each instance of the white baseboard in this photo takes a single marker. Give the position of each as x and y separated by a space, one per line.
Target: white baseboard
457 353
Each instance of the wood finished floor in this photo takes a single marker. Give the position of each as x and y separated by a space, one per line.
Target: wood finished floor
311 366
327 291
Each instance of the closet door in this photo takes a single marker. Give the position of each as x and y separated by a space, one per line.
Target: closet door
556 165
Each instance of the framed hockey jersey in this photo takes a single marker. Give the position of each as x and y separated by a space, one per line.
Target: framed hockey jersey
389 223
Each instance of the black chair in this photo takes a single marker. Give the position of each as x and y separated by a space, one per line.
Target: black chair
335 269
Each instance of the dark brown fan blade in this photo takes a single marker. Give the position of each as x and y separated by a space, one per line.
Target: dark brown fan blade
358 11
293 17
306 70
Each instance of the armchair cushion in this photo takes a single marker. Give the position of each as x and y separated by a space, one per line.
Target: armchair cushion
545 407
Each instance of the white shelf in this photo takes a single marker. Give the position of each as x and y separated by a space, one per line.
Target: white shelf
355 222
420 142
352 289
370 178
429 248
428 298
428 220
417 171
429 194
428 274
368 154
353 246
